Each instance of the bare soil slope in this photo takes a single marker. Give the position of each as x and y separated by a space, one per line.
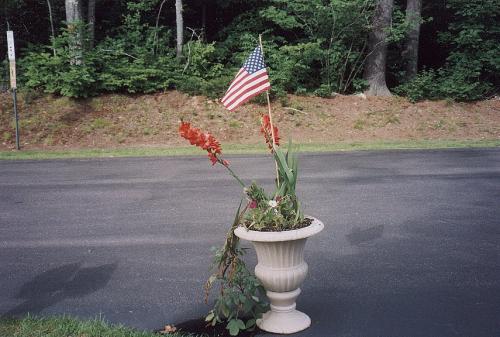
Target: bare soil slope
114 120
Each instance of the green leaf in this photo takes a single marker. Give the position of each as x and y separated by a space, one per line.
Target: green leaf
247 307
225 310
282 164
250 323
234 326
241 324
242 298
210 316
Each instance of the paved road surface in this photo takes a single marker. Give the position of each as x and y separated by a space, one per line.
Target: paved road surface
411 245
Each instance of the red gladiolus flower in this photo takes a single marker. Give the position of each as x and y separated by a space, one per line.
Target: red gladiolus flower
204 140
266 131
212 157
208 143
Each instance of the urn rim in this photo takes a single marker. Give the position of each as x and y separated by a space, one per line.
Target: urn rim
295 234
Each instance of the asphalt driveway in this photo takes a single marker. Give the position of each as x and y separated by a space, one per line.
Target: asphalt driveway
411 245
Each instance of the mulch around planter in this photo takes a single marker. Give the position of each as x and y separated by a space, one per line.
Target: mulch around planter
199 327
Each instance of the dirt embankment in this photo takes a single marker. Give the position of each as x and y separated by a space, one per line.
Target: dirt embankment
151 120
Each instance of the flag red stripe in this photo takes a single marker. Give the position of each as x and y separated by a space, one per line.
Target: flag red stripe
241 82
249 81
236 83
249 98
240 99
236 79
242 91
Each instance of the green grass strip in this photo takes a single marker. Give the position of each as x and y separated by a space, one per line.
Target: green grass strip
67 326
245 149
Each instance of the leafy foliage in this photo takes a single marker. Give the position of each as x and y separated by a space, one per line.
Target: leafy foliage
202 73
281 211
422 86
473 66
56 74
136 60
474 63
444 83
322 44
239 303
311 47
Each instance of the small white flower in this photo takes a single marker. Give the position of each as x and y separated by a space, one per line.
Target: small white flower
272 203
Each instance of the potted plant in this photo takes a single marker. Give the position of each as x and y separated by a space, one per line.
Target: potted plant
274 223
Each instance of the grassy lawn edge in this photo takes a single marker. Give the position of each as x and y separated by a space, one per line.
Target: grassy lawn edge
245 149
65 326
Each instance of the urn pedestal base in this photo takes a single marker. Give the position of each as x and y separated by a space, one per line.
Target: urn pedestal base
281 269
283 318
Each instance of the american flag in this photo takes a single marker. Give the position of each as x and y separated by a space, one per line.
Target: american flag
250 81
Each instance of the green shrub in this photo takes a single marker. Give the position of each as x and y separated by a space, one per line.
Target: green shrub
323 91
472 67
121 64
462 84
311 47
452 83
202 74
308 44
294 66
423 86
55 75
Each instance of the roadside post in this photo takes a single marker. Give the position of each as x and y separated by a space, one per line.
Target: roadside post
12 72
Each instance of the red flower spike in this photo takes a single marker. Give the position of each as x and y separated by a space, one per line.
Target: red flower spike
184 129
203 140
212 157
266 131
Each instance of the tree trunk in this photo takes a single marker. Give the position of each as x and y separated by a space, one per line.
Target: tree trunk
74 20
204 21
410 52
155 38
377 46
180 27
73 12
52 27
91 22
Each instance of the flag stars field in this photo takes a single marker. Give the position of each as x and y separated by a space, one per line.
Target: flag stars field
251 80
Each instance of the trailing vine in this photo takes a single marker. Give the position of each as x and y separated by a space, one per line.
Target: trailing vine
239 302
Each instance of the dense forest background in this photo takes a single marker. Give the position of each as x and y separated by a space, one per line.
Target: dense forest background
318 47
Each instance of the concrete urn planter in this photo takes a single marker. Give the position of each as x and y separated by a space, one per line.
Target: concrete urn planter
281 269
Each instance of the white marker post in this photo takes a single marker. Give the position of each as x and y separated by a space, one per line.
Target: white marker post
13 85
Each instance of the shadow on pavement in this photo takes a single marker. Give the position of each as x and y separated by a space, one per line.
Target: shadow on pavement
54 285
359 236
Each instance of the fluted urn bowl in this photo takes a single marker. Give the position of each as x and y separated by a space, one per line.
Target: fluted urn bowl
281 269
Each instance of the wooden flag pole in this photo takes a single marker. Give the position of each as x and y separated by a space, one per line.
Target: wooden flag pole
267 94
270 116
